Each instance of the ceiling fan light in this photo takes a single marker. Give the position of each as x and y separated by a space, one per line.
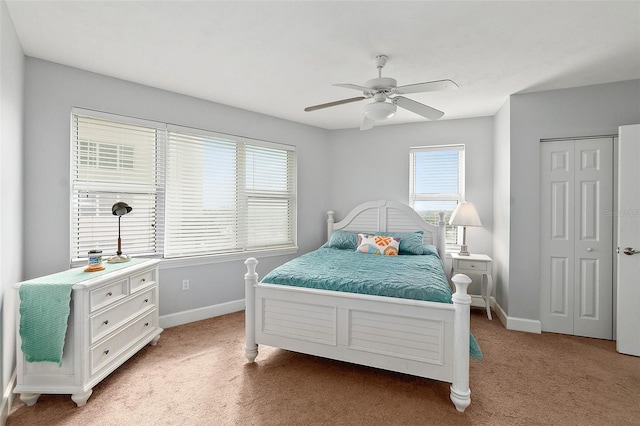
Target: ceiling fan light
379 110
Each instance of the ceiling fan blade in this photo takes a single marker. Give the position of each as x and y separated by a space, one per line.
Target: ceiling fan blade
334 103
429 86
366 123
354 87
418 108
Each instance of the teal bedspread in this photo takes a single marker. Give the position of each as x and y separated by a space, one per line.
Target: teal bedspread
418 277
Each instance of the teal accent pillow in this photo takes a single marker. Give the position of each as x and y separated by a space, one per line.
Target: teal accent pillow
342 240
410 242
430 249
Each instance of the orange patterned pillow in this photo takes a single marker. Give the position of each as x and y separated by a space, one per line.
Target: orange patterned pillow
378 244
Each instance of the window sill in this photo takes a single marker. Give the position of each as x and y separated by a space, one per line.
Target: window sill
180 262
451 249
219 258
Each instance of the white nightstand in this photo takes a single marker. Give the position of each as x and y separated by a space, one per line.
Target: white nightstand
476 264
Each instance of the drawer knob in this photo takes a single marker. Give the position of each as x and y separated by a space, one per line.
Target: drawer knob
143 280
109 294
146 324
106 352
146 300
106 322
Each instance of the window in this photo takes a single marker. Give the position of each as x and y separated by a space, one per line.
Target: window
193 192
113 161
437 183
227 194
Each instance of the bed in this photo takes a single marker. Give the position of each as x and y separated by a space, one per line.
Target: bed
429 339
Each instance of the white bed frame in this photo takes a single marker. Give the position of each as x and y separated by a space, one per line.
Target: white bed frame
425 339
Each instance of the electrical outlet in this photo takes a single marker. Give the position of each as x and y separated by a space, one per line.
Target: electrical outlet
185 284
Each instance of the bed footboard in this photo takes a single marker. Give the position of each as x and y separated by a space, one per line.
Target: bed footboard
425 339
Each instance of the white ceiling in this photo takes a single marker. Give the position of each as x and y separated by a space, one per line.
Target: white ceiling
277 57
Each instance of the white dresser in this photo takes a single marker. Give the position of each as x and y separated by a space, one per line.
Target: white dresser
113 316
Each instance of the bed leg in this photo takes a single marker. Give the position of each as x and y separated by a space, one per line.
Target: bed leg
250 280
460 393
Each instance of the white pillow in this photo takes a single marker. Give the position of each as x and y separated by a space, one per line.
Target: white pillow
378 244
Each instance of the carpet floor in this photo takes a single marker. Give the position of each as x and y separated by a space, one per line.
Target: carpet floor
197 375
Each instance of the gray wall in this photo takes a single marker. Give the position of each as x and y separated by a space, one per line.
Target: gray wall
582 111
52 90
502 203
355 153
11 188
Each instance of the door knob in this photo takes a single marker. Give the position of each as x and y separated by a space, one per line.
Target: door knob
629 251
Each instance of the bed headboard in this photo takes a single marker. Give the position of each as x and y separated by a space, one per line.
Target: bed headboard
389 216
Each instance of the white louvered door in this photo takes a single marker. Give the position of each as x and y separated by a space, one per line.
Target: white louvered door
576 240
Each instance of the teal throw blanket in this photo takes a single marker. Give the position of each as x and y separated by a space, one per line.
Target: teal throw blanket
44 312
45 308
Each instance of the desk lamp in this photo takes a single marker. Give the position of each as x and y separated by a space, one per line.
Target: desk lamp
119 209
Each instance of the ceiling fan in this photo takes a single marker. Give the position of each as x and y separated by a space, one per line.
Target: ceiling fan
382 89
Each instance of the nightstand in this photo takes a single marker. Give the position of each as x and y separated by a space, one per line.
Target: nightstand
476 264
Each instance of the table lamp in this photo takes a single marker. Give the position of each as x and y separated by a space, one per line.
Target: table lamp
119 209
465 215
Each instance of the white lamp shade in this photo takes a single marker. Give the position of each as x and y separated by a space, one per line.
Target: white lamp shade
379 110
465 214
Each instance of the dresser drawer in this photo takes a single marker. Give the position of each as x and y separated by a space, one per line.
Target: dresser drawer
109 350
471 265
142 280
105 322
108 294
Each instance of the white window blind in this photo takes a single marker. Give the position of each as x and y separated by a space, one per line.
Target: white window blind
193 192
437 183
270 197
227 194
113 161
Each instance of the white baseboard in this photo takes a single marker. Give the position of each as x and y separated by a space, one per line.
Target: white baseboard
500 313
192 315
516 324
179 318
477 301
7 399
523 324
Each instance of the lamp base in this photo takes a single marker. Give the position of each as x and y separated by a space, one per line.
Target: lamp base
119 258
463 251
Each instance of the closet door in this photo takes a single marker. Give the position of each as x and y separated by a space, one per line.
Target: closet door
576 266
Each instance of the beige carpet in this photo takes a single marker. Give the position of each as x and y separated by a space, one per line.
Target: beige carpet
197 375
